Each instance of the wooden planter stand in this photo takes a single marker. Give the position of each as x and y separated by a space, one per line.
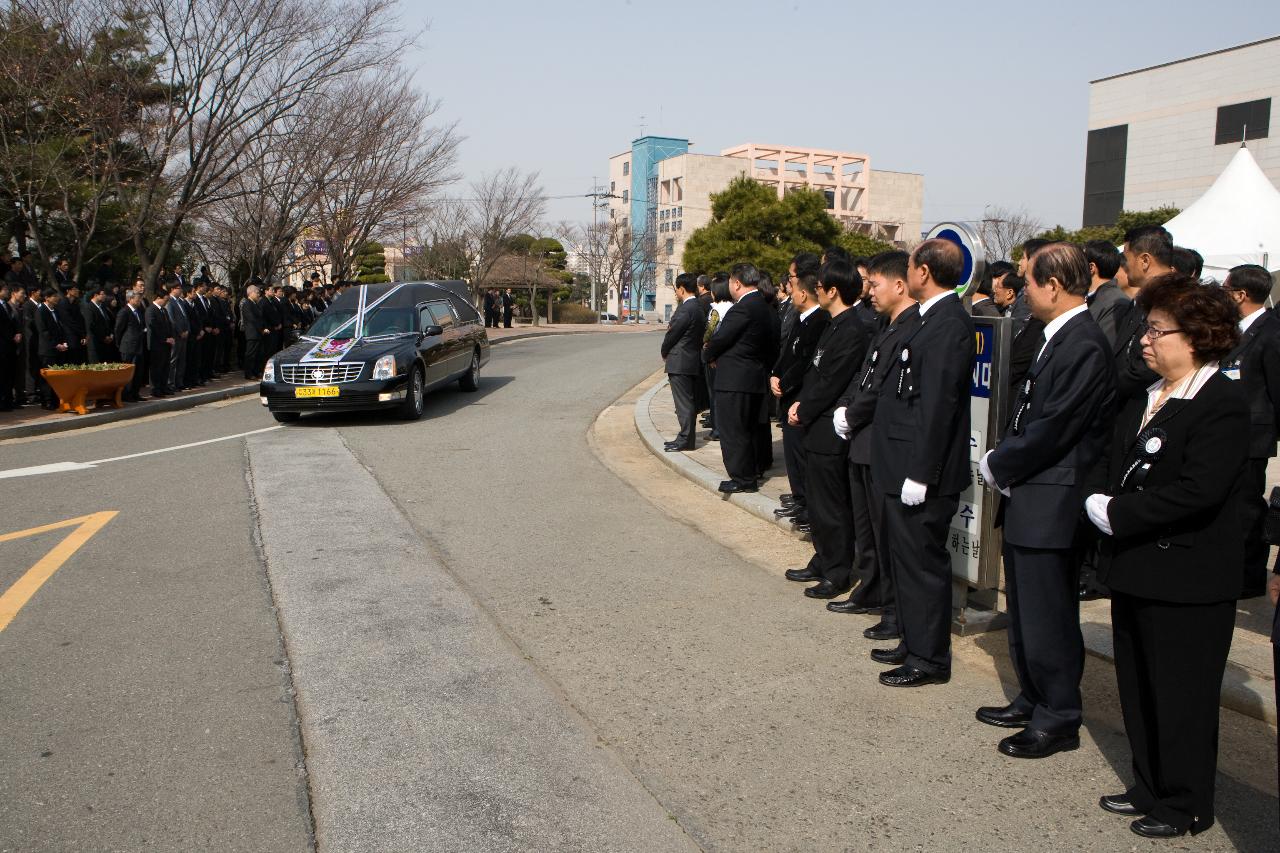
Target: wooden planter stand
75 388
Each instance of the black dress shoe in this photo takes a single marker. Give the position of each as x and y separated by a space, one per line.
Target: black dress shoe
908 676
715 436
1033 743
729 487
881 631
801 527
805 575
1119 804
893 657
787 499
789 511
850 605
1150 827
1005 718
825 589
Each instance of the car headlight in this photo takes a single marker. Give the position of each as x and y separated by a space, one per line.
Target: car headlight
269 371
385 367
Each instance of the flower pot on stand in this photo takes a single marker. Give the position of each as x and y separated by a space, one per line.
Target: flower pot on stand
77 387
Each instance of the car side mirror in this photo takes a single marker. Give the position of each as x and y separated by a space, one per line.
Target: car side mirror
432 331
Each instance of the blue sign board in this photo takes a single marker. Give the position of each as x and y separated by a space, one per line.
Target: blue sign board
984 344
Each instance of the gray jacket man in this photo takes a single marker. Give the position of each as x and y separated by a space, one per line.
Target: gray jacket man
180 322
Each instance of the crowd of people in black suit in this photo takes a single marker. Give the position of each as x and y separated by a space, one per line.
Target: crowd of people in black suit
499 308
1145 410
182 335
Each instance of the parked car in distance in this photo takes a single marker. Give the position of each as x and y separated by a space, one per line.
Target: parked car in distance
379 346
608 318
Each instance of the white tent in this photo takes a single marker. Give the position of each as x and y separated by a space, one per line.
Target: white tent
1236 221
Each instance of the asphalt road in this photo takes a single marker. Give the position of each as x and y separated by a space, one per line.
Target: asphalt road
496 643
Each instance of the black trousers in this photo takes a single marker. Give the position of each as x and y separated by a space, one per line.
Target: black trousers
830 517
920 566
875 588
191 366
794 455
1045 644
737 418
1253 506
18 378
682 387
139 362
506 318
710 373
255 357
160 358
1169 664
8 365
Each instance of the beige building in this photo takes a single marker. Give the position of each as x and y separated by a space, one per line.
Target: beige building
1160 136
885 205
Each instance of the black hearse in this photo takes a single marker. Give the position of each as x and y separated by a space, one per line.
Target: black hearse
379 346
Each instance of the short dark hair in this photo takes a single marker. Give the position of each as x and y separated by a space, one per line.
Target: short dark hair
1014 282
860 261
944 260
807 263
833 251
767 288
984 286
808 283
1105 256
1000 268
841 276
1254 280
688 282
46 292
1206 315
720 287
1151 240
1030 247
1187 261
746 274
1066 262
891 264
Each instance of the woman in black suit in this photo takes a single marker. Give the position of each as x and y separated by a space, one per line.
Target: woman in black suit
1173 553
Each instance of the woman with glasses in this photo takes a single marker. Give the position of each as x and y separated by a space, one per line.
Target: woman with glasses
1172 553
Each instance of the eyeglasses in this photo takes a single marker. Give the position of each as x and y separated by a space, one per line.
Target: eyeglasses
1156 334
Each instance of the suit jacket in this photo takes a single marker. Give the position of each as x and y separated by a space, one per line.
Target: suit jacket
130 331
252 318
871 321
10 325
98 328
1026 342
1133 377
682 344
860 396
1257 358
744 345
986 307
796 356
72 320
159 327
30 328
836 360
50 332
1058 433
179 319
1020 312
921 426
790 316
1177 534
1109 306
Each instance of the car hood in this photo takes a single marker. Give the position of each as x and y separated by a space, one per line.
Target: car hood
362 350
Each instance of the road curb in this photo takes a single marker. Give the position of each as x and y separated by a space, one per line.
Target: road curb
756 504
1242 690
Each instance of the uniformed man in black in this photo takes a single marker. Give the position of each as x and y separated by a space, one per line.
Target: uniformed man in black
887 274
920 461
682 353
257 331
130 336
1060 428
160 342
69 314
795 359
1148 254
836 360
99 329
54 342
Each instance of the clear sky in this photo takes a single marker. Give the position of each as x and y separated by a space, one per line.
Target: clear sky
988 100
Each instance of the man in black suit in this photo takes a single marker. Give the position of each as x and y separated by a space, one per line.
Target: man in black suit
1148 254
54 341
192 377
161 339
508 307
225 326
253 321
794 361
836 359
130 332
983 304
273 317
1255 363
920 462
744 344
209 343
1107 302
1058 433
682 351
10 345
69 314
887 273
99 331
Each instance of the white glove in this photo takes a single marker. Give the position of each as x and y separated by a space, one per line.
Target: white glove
1096 507
913 493
841 422
987 477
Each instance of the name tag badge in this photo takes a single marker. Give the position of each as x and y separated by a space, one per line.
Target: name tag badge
817 357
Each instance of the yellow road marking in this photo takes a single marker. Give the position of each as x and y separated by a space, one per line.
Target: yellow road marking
20 593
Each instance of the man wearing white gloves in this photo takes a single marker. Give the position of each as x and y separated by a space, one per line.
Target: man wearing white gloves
920 461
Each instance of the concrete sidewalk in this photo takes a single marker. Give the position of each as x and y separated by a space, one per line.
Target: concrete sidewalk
1248 686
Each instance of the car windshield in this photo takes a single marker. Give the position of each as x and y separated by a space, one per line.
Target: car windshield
379 321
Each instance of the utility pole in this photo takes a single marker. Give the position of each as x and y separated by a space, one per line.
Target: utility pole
598 202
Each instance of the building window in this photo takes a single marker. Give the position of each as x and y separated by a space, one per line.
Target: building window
626 168
671 246
1104 171
679 224
670 276
830 196
612 185
626 196
1239 122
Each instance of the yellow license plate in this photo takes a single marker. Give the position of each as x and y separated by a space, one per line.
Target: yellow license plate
327 391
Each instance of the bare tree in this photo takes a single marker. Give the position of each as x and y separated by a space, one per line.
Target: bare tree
1002 229
505 203
237 72
607 250
380 163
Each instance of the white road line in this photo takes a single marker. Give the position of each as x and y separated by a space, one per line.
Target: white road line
57 467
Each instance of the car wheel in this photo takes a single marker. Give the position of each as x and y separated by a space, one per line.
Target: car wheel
470 381
286 417
411 408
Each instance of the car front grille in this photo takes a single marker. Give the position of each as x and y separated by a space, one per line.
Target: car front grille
320 374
